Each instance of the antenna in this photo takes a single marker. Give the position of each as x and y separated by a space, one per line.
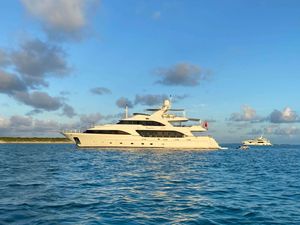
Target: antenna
126 112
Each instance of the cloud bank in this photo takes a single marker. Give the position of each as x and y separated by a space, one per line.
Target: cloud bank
33 62
181 74
17 125
277 130
27 126
247 114
287 115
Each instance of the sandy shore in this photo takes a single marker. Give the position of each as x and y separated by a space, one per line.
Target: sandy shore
36 142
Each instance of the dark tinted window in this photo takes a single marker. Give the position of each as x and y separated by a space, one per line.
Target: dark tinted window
105 132
141 122
153 133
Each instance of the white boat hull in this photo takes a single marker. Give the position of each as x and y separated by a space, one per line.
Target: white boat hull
123 141
256 144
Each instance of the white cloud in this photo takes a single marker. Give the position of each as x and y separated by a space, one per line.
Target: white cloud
247 114
182 74
39 100
60 18
123 102
35 60
32 64
150 100
285 116
63 14
100 91
90 119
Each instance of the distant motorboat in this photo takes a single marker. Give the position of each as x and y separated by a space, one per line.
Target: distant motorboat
260 141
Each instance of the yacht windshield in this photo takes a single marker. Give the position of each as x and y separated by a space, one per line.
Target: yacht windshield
105 132
141 122
159 133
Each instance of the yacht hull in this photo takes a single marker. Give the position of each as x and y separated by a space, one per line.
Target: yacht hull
256 144
84 140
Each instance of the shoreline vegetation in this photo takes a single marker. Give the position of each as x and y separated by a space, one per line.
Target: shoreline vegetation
34 140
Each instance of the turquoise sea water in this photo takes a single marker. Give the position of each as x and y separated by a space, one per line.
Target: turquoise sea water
60 184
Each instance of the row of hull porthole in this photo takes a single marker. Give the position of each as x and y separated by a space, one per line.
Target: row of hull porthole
133 143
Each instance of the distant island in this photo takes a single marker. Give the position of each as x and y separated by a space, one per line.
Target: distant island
34 140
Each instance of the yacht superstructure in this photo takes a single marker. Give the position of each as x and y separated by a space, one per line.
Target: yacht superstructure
259 141
157 130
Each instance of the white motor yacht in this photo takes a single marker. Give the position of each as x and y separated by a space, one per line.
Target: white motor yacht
259 141
158 129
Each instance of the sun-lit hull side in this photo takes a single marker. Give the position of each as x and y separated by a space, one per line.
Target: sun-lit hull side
256 144
84 140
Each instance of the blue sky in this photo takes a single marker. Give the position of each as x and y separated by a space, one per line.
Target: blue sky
64 64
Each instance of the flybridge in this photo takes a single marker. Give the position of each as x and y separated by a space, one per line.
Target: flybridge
160 116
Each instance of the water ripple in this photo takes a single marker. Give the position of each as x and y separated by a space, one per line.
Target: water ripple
59 184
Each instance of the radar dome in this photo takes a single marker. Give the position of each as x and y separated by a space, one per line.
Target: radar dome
167 103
